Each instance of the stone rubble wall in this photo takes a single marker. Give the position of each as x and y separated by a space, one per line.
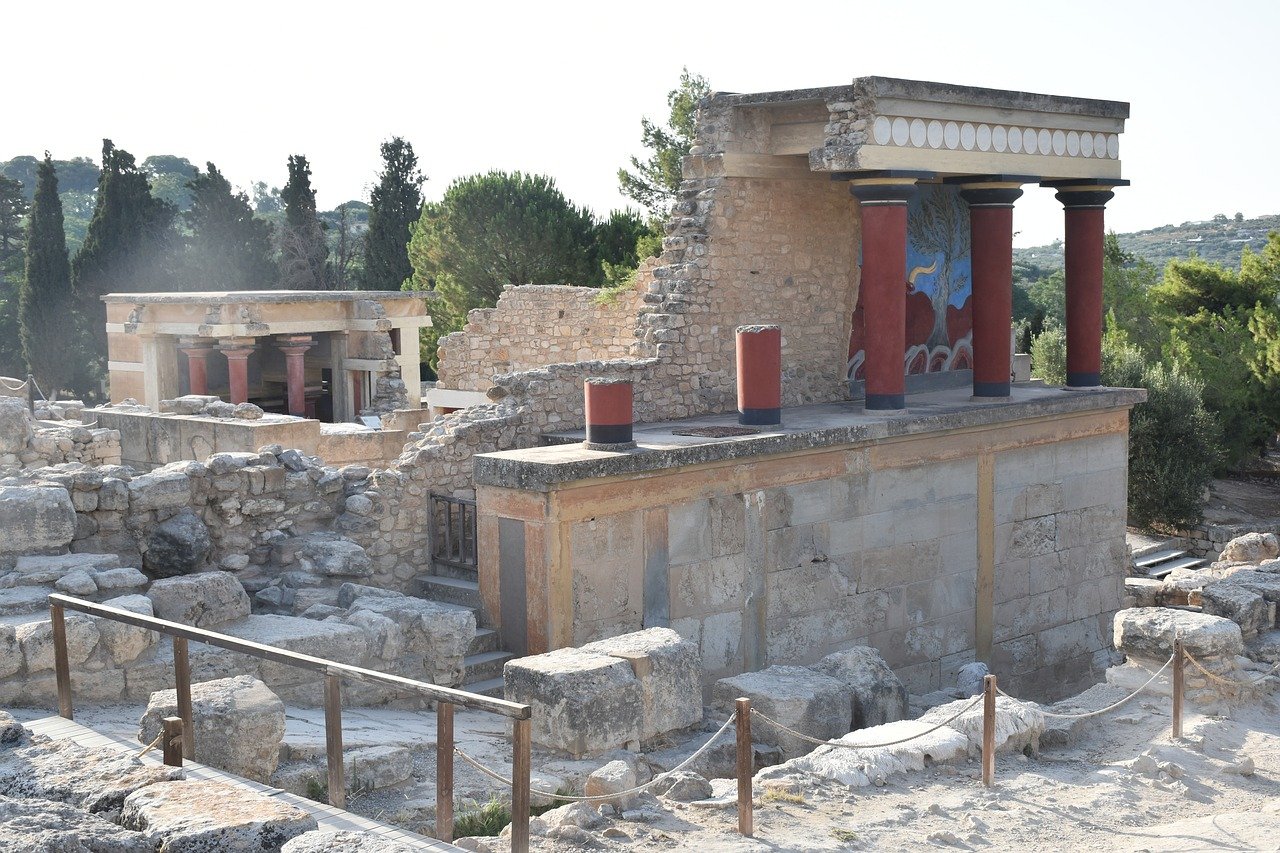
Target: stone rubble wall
27 444
1208 540
533 326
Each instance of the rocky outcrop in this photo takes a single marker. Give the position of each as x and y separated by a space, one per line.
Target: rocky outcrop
206 816
878 695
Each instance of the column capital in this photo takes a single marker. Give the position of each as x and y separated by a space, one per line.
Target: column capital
883 186
990 195
195 347
1083 193
294 345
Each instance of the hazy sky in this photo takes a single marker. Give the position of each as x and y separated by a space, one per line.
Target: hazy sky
560 87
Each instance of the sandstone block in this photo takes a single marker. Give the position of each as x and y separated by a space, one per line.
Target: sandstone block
122 642
1241 605
878 695
1018 724
205 600
1251 548
435 636
78 583
115 580
239 724
372 767
613 778
331 640
178 546
809 702
684 787
35 519
195 817
583 703
36 640
1149 632
334 557
669 669
48 569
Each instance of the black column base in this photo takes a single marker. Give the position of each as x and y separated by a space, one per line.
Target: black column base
608 433
885 402
1084 380
760 417
991 389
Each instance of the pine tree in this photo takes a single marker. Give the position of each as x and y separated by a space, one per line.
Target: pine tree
303 252
395 204
129 246
229 249
44 296
657 179
13 206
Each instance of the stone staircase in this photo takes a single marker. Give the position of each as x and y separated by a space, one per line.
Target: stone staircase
486 657
1158 561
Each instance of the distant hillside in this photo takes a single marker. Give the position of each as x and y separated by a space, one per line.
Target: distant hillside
1220 240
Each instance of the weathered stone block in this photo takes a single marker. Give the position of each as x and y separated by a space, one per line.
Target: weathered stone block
204 600
15 425
239 724
30 825
193 817
583 703
160 489
669 669
878 696
1149 632
95 780
372 767
35 519
1251 548
36 640
801 699
178 546
1239 604
436 636
122 642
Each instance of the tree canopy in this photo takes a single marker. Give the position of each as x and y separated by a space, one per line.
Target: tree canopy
394 205
13 207
228 249
303 252
655 180
45 300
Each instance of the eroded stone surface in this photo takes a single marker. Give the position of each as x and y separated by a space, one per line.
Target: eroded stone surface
205 600
669 669
95 780
212 817
35 519
878 695
870 762
582 702
809 702
1018 724
343 842
1150 631
39 825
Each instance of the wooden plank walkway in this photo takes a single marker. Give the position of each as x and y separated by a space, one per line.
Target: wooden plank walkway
328 817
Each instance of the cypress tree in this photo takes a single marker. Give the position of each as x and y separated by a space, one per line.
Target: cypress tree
13 206
394 205
129 244
44 296
303 252
229 249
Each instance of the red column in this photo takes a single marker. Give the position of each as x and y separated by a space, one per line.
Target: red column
197 367
991 241
1084 203
609 405
294 348
759 375
884 289
238 370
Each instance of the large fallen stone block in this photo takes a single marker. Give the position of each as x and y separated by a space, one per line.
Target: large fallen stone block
178 546
160 489
669 669
36 640
583 703
1241 605
326 841
96 780
1150 631
195 817
328 639
205 600
238 722
370 768
38 825
1251 548
35 519
870 761
1018 724
333 556
52 568
803 700
878 695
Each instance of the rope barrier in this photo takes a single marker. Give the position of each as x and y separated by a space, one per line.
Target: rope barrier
570 798
152 745
780 727
1088 714
4 381
1231 681
39 390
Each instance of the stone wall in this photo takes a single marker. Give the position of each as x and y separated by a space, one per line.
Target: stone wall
533 326
26 444
1207 539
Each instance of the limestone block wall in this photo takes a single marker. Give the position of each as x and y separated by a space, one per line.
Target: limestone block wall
1004 543
534 326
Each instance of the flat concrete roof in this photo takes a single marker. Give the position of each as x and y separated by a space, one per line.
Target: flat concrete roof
925 90
262 296
804 428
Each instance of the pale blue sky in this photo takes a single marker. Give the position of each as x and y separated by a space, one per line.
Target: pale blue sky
560 87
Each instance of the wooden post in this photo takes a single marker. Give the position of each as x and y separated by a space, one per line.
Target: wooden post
1178 674
171 740
31 401
989 731
61 664
444 771
182 683
745 768
333 739
520 769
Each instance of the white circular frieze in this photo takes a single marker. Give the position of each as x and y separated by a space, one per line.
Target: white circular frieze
1044 141
999 138
935 134
918 132
967 136
1029 140
984 138
1086 144
951 135
1113 146
1099 145
1073 144
1059 143
901 131
1015 140
882 130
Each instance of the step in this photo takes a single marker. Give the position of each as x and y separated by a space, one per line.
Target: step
486 641
1163 569
450 591
485 666
489 687
1157 557
441 570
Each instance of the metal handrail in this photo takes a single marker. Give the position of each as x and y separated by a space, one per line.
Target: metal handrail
445 697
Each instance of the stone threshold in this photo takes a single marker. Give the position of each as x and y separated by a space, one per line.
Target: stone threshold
824 425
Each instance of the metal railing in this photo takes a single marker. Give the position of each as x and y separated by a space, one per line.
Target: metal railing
454 535
445 698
